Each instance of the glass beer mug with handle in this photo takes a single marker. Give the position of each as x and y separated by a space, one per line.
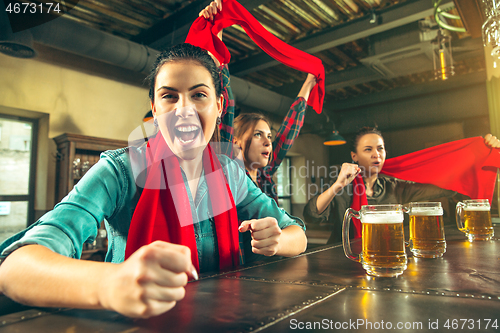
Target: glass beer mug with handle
383 248
426 229
474 219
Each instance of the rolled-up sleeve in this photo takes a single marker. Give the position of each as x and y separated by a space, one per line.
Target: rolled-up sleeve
43 234
76 219
311 214
251 202
258 205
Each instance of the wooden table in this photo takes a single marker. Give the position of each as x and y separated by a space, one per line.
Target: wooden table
321 290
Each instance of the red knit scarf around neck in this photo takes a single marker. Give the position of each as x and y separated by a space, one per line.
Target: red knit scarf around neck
203 33
163 211
466 166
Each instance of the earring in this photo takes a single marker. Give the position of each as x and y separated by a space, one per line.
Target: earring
218 121
155 122
354 162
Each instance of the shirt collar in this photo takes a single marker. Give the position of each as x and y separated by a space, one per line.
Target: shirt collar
378 188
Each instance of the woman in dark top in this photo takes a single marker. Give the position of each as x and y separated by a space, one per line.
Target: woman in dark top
368 156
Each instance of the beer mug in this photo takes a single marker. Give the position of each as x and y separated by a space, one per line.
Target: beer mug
476 220
383 247
426 229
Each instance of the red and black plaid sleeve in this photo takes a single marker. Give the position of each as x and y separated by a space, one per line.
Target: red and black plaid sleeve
287 133
226 126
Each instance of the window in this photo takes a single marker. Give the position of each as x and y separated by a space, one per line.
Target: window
17 173
284 185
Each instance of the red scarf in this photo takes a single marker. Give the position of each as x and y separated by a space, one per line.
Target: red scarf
358 200
466 166
163 211
203 33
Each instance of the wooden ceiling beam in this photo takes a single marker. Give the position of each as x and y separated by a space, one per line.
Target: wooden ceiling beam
455 82
168 25
174 30
472 15
360 74
392 17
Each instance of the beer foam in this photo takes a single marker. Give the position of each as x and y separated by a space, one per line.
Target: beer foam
423 211
387 217
477 209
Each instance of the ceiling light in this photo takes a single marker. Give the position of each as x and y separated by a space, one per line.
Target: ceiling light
334 139
442 58
18 44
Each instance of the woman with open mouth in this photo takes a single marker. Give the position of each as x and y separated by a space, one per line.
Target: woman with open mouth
254 145
171 207
251 133
368 157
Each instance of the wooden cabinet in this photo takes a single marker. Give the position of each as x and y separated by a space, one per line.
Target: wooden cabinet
76 154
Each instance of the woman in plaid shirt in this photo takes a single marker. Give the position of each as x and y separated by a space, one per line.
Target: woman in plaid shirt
251 132
252 137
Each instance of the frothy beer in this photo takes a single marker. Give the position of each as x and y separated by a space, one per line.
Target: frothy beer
474 219
427 239
477 222
383 241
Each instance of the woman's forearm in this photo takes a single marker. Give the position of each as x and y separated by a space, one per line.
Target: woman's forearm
293 241
325 198
37 276
308 85
147 284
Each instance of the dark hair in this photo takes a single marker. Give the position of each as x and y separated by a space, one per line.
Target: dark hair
184 52
246 122
361 132
181 52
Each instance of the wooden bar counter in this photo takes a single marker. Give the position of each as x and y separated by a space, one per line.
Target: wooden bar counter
318 291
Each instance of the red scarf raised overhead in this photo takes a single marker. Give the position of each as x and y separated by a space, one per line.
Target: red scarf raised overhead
163 211
466 166
203 33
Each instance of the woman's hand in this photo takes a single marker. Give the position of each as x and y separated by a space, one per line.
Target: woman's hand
310 80
491 141
348 172
308 85
150 282
266 235
211 10
209 13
